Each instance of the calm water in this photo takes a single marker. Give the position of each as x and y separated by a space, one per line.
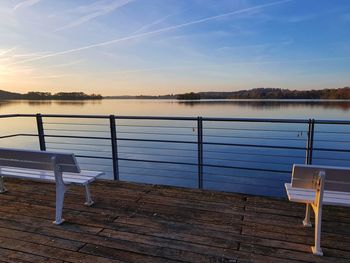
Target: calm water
223 140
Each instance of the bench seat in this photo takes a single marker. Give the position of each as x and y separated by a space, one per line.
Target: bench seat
59 168
83 178
317 185
302 195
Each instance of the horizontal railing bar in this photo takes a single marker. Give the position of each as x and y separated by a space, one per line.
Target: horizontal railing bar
75 124
246 168
156 126
159 176
172 118
158 169
255 138
77 144
243 176
321 140
157 148
251 129
256 146
155 161
18 135
240 183
213 119
332 132
152 154
74 130
150 140
330 158
256 154
98 164
332 122
246 161
77 137
157 133
10 136
81 150
93 157
75 116
331 150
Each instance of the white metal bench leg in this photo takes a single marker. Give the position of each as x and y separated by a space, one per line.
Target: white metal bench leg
60 191
318 220
89 201
306 221
2 187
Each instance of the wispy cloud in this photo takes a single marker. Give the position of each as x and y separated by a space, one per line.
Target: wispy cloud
95 10
51 76
154 23
6 51
72 63
226 65
154 32
25 3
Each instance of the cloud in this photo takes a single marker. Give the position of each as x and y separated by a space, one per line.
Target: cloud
267 62
52 76
66 64
95 10
25 3
158 31
6 51
154 23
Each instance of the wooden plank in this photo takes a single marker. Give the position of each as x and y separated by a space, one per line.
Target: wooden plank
52 252
145 223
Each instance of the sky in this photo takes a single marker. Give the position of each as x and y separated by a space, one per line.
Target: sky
151 47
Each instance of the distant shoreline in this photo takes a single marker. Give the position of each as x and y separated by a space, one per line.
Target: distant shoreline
177 100
267 94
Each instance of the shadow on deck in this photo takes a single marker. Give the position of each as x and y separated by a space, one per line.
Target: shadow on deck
145 223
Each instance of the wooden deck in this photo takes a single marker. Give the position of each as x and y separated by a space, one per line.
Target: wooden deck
145 223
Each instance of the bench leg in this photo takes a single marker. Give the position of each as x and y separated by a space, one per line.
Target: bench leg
316 250
60 191
89 201
2 187
306 221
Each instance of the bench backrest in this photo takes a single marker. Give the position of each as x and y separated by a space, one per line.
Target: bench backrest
40 160
337 178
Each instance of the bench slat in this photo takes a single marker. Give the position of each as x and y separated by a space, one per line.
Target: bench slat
82 178
37 160
302 195
337 178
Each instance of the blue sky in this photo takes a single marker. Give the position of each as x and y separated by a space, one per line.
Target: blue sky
173 46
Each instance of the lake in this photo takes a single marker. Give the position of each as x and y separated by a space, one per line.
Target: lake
247 157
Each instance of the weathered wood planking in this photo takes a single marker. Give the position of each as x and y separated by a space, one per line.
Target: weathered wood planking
145 223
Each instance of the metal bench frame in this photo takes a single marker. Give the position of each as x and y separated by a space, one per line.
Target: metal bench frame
39 165
317 186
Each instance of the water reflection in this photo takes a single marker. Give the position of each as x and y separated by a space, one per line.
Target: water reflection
270 104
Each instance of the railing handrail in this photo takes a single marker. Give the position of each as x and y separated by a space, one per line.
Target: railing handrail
181 118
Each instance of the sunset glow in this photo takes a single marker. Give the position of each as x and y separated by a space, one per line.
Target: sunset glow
117 47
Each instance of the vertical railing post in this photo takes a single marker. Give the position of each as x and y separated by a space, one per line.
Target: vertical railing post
41 134
200 151
310 141
113 130
311 148
307 157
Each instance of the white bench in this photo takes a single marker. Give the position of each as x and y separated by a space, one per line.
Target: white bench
60 168
317 186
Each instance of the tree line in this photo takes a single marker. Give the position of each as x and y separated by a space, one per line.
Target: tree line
270 93
35 95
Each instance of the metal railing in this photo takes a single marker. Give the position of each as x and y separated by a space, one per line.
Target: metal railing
234 154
